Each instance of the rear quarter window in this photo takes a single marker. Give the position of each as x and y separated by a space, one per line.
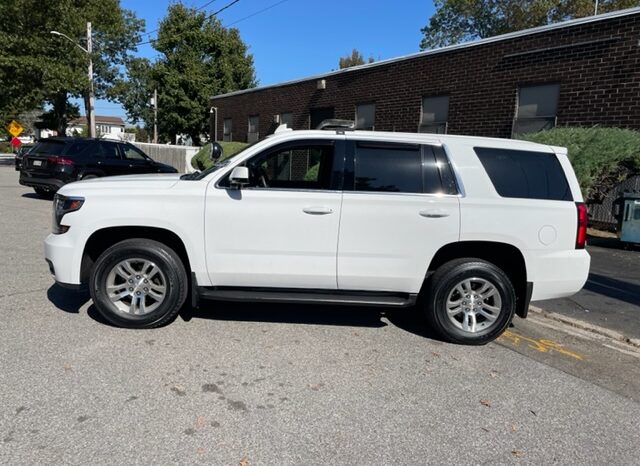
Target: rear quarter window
525 174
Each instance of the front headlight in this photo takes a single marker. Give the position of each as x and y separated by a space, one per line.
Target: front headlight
63 205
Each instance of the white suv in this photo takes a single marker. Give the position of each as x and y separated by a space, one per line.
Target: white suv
468 229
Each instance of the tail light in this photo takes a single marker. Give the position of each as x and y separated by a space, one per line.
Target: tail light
57 160
581 235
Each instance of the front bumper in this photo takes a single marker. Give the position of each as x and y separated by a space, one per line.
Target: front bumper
60 252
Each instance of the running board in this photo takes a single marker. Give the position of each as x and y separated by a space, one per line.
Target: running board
296 295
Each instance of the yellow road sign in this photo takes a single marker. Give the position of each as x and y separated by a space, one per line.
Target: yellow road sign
14 128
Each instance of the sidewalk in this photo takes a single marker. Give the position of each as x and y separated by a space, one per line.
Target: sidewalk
611 296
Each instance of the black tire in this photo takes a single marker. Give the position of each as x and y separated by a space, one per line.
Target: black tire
444 281
164 258
46 194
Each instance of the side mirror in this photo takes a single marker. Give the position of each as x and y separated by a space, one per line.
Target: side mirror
216 151
239 176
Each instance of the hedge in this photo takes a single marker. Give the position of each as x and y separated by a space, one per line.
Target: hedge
601 157
202 160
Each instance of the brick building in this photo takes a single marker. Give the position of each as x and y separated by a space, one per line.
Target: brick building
582 72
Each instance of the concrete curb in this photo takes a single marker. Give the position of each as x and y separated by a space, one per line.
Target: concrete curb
582 325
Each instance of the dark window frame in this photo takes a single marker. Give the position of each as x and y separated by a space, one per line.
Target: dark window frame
551 121
435 123
373 124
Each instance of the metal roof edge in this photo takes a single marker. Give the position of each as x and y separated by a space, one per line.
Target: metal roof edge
449 48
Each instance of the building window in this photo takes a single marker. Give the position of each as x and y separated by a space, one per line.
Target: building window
365 116
254 129
537 107
227 130
435 114
286 119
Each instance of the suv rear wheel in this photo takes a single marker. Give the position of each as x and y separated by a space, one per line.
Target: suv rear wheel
138 283
470 301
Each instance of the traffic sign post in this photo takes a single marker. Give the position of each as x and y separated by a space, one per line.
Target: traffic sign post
14 129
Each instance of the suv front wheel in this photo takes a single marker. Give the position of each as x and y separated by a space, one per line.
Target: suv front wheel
470 301
138 283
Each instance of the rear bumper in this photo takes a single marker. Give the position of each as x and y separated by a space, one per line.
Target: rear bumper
51 184
559 274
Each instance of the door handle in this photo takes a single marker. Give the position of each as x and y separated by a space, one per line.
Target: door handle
317 210
434 213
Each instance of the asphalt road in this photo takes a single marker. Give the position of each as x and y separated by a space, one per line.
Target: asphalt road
247 384
611 297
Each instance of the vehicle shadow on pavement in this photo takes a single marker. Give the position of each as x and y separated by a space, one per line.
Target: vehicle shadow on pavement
613 288
67 300
409 320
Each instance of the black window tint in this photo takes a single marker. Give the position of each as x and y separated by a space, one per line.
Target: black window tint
390 168
132 153
524 174
430 172
76 148
293 167
49 147
107 150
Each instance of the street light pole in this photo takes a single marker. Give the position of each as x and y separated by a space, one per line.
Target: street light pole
155 116
213 132
89 104
91 115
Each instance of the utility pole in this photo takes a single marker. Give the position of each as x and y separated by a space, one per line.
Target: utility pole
596 9
155 116
91 114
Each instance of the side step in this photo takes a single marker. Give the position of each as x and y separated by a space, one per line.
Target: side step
295 295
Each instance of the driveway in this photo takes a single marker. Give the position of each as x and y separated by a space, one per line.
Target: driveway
247 384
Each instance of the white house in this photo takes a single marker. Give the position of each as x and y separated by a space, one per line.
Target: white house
105 126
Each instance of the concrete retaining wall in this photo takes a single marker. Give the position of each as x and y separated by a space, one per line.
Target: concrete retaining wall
177 156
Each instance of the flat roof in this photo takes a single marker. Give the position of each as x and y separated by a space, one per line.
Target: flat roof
450 48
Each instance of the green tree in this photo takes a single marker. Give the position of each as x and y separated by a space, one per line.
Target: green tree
456 21
198 58
354 59
37 68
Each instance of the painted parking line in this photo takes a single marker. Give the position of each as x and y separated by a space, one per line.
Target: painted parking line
542 345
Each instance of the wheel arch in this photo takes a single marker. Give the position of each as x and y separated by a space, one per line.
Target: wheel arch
102 239
503 255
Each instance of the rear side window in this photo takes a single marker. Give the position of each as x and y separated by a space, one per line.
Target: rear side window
76 148
388 168
107 150
525 174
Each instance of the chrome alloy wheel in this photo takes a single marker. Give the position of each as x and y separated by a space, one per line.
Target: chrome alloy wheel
474 304
136 286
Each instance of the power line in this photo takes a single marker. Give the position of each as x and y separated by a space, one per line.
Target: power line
197 9
228 5
257 12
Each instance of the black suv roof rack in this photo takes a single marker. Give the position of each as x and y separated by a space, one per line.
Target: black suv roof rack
336 124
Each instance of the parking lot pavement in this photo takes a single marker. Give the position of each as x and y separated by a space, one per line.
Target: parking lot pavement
248 384
611 297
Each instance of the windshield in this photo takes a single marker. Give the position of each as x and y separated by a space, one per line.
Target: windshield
215 167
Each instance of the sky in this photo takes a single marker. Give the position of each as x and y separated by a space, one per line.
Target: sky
298 38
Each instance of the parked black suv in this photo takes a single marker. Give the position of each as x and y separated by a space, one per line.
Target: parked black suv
54 162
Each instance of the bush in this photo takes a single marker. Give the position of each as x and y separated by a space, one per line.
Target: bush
202 160
601 157
5 147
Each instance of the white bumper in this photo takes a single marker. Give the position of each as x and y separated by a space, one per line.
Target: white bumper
559 274
62 253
